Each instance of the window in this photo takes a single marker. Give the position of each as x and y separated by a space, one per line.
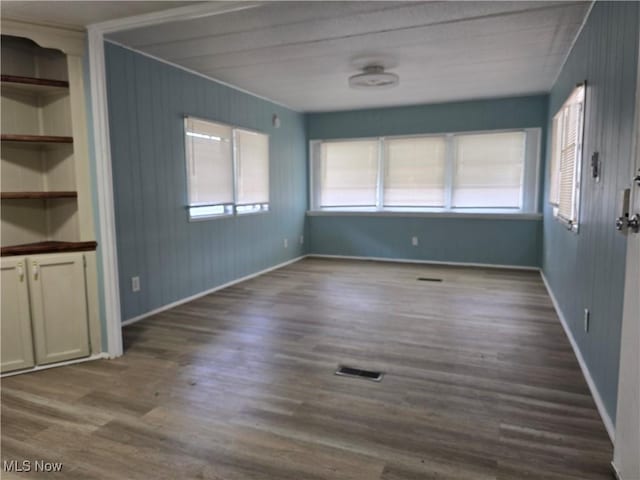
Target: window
471 172
252 170
414 172
227 169
566 157
488 170
349 174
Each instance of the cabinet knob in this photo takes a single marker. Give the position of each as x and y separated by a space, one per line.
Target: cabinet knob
35 270
20 270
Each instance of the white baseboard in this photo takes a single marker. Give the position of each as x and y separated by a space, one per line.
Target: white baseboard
616 472
97 356
207 292
428 262
583 366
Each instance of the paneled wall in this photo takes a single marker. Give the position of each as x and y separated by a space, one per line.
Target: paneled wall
586 270
488 240
173 257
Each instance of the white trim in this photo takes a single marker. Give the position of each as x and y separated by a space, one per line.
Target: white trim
427 262
104 180
616 472
97 356
202 75
211 290
98 82
198 10
606 419
426 214
573 43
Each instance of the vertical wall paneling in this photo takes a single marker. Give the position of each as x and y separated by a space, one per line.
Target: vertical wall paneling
173 257
586 270
493 241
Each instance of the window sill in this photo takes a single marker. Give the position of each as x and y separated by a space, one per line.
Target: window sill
483 214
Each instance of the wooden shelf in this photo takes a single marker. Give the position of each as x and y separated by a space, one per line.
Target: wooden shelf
34 139
47 247
34 85
36 195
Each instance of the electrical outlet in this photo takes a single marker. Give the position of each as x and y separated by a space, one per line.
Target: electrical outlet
301 239
286 243
587 317
135 284
414 241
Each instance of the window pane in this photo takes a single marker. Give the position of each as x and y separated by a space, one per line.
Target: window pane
565 156
209 162
488 170
252 165
414 172
556 149
348 173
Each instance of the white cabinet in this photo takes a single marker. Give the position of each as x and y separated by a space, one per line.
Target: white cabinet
17 344
58 307
44 309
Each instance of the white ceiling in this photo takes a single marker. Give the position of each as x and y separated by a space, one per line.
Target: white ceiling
301 54
80 14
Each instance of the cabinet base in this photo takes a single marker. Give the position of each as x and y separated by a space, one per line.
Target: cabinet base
97 356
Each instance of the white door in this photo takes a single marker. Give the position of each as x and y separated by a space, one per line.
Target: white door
627 441
58 307
17 346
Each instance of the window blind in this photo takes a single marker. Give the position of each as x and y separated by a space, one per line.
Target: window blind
209 162
252 167
488 171
565 157
349 173
414 172
556 148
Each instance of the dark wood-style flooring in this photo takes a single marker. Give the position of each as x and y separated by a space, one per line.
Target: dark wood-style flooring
481 383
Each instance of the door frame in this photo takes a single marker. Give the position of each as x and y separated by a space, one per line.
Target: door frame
108 254
626 464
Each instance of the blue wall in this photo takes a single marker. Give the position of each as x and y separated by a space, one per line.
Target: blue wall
493 241
586 270
465 240
173 257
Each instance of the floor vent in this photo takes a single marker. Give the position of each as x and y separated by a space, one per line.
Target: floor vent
429 279
356 372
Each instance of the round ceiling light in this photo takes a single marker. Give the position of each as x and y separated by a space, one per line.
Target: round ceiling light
374 77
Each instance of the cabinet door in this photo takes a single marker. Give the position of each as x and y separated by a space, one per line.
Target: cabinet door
17 343
58 307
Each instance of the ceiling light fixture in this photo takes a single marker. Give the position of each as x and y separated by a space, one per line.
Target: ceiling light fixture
373 77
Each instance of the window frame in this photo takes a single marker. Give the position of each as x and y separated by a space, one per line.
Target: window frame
229 209
530 184
572 225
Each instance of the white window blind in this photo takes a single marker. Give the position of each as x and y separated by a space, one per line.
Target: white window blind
488 170
349 173
209 163
566 156
414 172
252 168
556 149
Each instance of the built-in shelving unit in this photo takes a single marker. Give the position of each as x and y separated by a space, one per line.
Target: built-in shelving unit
39 192
50 311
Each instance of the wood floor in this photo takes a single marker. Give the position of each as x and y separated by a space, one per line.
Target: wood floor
481 383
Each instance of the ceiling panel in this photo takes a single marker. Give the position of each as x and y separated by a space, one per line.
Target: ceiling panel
301 53
79 14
